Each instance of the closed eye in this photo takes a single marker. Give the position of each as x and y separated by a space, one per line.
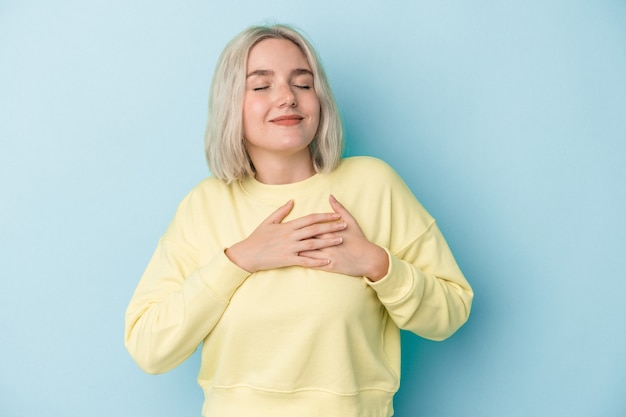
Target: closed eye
303 87
260 88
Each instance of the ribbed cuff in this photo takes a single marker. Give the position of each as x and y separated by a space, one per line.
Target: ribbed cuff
397 284
223 277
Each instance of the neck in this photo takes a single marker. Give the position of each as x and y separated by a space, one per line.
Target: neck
277 170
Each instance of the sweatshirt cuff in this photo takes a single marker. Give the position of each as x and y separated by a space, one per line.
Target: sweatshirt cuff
398 284
222 277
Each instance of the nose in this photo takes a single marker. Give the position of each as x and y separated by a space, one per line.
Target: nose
286 97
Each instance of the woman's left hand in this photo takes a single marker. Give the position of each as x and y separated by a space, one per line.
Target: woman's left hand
356 255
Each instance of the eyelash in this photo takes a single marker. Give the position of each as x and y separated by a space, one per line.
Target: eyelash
302 87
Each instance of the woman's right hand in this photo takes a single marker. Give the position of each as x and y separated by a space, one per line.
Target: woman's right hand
274 244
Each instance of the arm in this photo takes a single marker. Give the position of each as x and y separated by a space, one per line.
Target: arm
177 304
178 300
408 264
421 285
424 290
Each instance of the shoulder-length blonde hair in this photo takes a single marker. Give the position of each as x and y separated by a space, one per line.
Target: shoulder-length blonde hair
223 141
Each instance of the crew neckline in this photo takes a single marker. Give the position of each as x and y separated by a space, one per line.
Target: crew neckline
283 192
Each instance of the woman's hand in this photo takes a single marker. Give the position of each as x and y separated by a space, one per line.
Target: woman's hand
274 244
356 255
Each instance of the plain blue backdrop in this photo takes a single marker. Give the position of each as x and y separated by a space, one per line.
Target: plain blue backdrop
506 118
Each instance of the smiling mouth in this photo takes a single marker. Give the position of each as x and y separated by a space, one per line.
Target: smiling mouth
289 120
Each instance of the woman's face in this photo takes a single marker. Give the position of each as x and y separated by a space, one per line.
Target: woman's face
281 109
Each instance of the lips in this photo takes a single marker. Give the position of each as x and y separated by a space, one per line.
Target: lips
287 120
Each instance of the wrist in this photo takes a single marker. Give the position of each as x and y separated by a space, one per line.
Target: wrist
379 265
234 256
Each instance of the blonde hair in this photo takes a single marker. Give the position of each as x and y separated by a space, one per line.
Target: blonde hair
223 141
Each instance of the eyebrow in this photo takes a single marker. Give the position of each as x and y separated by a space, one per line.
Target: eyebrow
264 72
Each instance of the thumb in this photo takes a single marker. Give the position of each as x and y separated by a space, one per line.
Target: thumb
341 210
279 214
336 205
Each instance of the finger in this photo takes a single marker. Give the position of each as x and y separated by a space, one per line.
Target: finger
317 244
340 209
315 218
319 230
315 254
336 205
312 261
279 214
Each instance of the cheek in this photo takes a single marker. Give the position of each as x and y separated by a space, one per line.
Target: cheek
317 113
313 107
252 112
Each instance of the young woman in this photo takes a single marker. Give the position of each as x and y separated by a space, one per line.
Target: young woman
292 268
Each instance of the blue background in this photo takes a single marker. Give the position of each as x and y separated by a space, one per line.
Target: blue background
506 118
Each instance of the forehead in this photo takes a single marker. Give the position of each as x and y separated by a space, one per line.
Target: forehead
276 54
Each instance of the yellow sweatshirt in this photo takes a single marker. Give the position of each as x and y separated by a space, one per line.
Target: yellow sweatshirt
295 341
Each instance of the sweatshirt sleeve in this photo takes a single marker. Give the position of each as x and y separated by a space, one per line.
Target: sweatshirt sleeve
177 301
424 290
